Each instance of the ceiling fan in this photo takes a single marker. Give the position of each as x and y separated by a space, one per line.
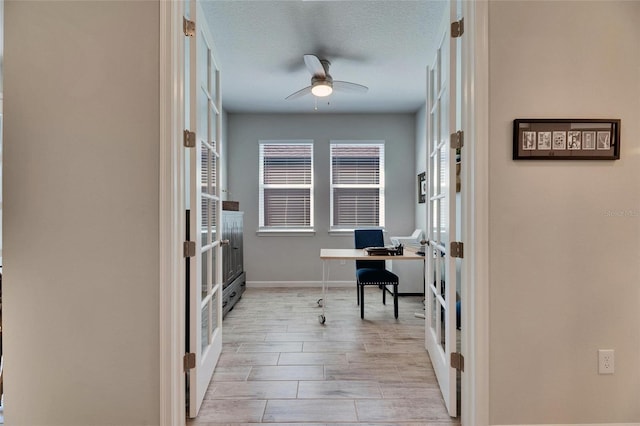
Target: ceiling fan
322 84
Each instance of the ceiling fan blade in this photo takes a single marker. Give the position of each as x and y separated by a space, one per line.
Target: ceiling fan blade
314 66
346 86
299 93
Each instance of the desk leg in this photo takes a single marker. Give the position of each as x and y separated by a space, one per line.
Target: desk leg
325 276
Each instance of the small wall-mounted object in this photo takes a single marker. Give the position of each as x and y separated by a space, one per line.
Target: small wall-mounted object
231 205
422 187
566 139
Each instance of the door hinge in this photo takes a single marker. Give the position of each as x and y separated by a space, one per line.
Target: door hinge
457 139
189 139
188 27
457 361
189 361
457 249
457 28
189 249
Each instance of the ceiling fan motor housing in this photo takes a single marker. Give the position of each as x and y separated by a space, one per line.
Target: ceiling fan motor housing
326 80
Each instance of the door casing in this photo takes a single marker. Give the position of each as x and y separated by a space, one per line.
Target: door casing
475 172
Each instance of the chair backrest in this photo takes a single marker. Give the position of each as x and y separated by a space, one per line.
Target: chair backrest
369 238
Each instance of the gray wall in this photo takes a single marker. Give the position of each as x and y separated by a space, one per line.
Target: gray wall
564 275
80 293
296 258
420 160
224 154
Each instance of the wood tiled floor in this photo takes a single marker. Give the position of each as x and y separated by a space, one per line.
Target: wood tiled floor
280 366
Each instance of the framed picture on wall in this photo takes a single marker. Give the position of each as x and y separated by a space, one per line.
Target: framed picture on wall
422 187
566 139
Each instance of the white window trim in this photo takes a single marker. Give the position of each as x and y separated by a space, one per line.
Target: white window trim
344 231
335 230
278 231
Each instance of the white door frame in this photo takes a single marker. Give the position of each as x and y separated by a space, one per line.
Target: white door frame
475 218
172 216
475 172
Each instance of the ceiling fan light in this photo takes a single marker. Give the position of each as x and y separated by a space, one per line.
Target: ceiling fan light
321 90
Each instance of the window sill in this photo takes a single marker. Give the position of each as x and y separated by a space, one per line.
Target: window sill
285 233
345 232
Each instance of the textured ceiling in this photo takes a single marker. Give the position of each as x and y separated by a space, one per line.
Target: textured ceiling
385 45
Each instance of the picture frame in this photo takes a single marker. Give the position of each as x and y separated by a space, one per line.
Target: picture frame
422 187
566 139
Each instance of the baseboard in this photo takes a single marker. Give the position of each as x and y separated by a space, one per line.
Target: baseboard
299 284
311 284
578 424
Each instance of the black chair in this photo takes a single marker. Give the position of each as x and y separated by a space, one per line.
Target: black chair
373 272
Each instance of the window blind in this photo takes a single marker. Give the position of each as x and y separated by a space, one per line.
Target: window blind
286 185
209 193
357 185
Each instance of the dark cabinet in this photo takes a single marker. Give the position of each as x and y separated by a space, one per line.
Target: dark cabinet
233 274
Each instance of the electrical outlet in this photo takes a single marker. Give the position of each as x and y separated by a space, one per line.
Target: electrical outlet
606 361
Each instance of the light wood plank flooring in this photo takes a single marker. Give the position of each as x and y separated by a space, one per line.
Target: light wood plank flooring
280 366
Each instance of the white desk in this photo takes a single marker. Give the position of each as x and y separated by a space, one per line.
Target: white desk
351 254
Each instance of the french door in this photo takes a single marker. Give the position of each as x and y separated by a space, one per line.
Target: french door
441 275
203 120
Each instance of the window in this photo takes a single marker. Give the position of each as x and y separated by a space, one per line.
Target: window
286 186
357 185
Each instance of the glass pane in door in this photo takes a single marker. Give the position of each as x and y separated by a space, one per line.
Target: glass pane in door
433 311
214 312
214 265
205 164
205 327
207 215
214 219
213 184
213 118
206 277
443 334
